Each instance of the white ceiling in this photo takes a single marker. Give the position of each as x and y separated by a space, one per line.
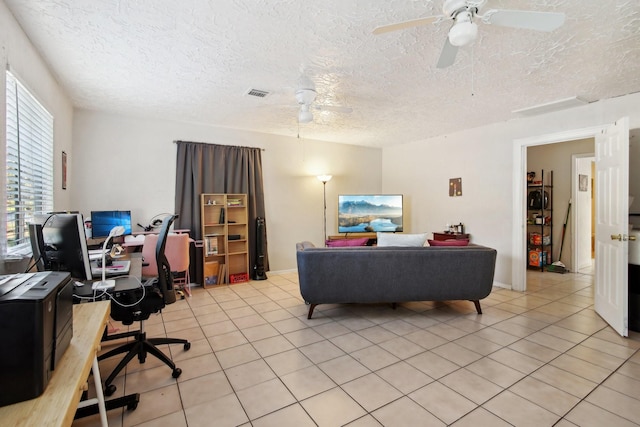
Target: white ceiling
193 60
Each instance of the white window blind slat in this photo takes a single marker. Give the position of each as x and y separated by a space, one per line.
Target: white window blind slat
29 163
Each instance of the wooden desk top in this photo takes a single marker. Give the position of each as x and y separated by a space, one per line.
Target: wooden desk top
57 405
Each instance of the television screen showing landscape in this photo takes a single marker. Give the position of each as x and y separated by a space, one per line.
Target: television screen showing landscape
369 213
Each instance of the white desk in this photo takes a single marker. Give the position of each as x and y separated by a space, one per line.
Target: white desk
57 405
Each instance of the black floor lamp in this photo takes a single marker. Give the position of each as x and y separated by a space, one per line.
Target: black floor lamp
324 179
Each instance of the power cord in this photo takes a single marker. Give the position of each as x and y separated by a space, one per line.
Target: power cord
104 292
44 224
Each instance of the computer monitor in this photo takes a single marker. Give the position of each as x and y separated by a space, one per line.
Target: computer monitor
62 244
102 222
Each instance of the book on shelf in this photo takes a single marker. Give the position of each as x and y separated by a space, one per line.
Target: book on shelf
211 245
221 273
234 202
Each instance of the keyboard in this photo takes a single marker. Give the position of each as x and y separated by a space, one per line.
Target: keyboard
95 257
117 268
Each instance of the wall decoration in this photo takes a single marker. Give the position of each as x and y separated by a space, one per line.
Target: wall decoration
455 187
583 182
64 170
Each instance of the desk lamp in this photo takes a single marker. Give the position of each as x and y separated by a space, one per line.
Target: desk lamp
118 230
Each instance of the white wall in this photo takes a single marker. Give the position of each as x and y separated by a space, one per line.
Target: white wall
128 163
18 54
482 157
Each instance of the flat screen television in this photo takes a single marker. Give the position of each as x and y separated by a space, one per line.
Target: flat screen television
368 213
103 221
61 244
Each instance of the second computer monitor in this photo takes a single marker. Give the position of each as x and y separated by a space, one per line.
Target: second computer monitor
102 222
61 245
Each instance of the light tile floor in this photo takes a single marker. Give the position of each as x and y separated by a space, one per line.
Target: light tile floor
538 358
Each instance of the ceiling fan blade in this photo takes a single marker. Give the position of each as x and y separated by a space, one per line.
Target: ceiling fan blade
334 108
405 24
448 54
527 19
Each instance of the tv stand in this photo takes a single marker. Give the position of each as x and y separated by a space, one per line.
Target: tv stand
373 237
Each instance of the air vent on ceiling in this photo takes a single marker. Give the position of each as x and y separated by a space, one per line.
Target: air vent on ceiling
257 93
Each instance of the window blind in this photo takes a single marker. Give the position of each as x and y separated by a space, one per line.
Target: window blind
29 164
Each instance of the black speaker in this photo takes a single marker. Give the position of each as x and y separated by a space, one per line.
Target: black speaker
261 249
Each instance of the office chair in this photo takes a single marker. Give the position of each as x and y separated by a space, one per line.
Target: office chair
177 252
158 292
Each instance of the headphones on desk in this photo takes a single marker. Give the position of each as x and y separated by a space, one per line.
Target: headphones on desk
155 222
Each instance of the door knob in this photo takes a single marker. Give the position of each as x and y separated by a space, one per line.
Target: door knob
616 237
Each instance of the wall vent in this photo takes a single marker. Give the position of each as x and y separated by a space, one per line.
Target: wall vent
257 93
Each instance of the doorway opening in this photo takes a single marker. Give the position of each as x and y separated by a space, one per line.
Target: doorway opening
520 157
569 220
583 218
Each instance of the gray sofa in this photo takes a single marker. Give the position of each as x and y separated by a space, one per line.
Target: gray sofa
368 274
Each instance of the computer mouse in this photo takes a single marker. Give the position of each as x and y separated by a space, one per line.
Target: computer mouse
77 283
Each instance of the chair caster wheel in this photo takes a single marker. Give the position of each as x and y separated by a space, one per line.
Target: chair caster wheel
176 373
110 390
187 346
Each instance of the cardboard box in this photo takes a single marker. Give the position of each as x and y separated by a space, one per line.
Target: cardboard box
239 277
211 273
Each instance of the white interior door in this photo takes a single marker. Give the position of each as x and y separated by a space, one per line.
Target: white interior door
612 219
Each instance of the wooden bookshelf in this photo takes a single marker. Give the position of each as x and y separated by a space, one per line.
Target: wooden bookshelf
225 238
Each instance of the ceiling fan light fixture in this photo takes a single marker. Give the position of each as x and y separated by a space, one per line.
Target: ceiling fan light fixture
464 31
305 116
305 96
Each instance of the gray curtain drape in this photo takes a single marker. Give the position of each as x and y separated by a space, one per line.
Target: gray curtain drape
213 168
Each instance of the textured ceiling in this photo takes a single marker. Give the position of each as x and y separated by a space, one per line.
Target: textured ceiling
193 60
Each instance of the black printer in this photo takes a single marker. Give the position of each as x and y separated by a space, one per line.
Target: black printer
36 326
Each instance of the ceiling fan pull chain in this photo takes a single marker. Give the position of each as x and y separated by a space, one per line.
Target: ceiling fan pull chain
473 49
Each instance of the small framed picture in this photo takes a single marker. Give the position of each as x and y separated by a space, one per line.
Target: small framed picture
64 170
583 182
455 187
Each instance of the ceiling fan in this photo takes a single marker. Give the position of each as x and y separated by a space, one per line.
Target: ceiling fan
464 30
306 95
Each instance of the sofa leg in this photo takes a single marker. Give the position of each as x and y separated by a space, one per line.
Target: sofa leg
311 307
477 303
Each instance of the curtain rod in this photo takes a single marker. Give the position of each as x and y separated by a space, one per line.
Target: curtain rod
177 141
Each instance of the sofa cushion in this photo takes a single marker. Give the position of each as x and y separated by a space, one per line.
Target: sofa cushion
347 242
393 239
449 242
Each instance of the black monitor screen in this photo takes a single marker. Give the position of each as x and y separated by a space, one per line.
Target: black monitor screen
103 221
64 245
